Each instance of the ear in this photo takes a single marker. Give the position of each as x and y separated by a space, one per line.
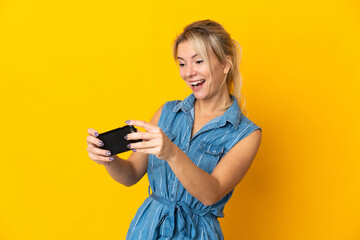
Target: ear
227 65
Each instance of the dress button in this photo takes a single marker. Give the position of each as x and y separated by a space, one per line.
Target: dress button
214 151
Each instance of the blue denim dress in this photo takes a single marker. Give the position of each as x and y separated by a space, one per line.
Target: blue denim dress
170 212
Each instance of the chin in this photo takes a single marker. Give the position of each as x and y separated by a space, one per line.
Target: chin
199 95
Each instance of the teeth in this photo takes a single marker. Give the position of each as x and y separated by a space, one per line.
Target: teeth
194 83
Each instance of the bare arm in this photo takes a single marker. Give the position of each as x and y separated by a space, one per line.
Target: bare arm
127 172
210 188
207 188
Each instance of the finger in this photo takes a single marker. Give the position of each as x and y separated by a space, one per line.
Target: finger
147 150
94 140
99 159
98 151
142 135
147 126
93 132
90 144
144 144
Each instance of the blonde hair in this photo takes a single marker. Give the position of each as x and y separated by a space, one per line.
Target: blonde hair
209 35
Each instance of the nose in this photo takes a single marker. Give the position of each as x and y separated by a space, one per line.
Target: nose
190 71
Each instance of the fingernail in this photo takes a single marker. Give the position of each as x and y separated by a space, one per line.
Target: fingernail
111 158
101 144
108 153
96 134
129 145
126 137
134 150
127 122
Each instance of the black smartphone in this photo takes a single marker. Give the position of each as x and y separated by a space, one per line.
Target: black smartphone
114 140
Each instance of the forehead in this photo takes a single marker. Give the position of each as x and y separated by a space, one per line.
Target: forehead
186 51
185 48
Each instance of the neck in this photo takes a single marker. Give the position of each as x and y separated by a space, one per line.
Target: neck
214 105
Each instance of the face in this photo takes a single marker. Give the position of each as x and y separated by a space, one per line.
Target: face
196 73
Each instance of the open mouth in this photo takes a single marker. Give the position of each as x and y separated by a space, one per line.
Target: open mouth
198 83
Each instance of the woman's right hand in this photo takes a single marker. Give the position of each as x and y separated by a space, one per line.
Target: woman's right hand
98 155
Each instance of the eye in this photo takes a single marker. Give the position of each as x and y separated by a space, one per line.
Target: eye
199 61
181 64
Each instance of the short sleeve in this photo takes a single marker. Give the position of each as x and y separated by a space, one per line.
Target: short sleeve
167 115
246 127
251 128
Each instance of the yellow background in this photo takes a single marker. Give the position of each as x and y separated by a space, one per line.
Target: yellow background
66 66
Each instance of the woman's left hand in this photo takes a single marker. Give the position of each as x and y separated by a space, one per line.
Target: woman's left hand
154 141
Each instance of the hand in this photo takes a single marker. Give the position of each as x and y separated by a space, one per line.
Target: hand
98 155
154 141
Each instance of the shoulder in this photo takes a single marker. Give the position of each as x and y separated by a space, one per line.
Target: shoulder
246 149
166 107
252 139
247 127
156 116
237 134
249 136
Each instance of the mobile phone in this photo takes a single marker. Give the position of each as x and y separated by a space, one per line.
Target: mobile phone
114 140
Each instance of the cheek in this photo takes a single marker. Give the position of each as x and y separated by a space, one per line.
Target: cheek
204 70
218 73
182 74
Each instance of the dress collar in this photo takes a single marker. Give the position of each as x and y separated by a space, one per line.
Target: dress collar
232 114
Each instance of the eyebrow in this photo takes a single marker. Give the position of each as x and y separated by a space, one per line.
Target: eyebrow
183 59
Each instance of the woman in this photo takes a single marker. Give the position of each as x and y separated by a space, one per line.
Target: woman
195 151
